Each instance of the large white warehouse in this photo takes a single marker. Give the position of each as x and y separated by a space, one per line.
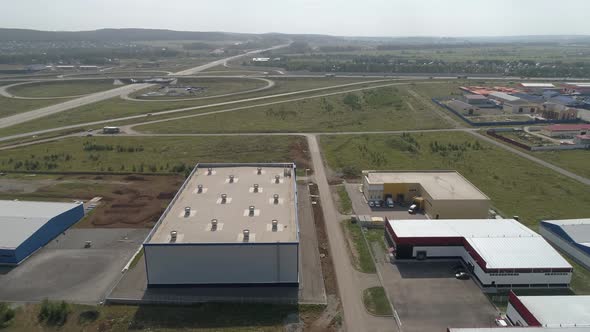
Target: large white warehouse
229 224
500 253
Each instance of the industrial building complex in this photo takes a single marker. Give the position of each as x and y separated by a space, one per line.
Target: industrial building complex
571 236
499 253
27 226
441 194
229 224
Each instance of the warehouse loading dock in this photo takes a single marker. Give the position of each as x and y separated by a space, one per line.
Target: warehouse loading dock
440 194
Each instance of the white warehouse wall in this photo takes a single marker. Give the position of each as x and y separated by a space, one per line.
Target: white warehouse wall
440 251
566 247
514 316
222 264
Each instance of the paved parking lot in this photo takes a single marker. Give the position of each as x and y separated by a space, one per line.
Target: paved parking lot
427 297
360 206
64 269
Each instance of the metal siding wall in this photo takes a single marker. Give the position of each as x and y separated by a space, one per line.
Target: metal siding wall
49 231
8 256
460 209
572 251
222 263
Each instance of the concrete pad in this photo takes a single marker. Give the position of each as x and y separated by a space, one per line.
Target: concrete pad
65 270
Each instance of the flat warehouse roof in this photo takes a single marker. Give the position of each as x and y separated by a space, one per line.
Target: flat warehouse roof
537 85
504 96
502 243
559 311
21 219
438 184
577 229
233 215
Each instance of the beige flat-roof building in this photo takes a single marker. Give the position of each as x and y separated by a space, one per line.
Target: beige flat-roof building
443 194
228 224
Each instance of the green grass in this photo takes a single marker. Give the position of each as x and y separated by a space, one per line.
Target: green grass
389 108
203 317
61 88
149 155
117 107
376 301
345 204
577 161
361 256
10 106
515 185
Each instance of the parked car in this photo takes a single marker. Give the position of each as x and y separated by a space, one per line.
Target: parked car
501 322
412 209
458 268
371 204
462 276
378 204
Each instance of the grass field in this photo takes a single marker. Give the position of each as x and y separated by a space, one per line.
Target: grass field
149 155
577 161
211 87
344 203
117 107
376 301
204 317
10 106
388 108
361 256
61 88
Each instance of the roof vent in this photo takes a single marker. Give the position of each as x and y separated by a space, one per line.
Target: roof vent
213 225
276 198
277 179
251 210
200 188
259 170
256 188
246 233
275 225
173 236
231 179
223 198
187 211
209 171
287 172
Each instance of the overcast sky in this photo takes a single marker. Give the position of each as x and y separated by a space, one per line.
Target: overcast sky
335 17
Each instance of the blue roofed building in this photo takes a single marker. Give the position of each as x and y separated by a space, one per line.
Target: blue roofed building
571 236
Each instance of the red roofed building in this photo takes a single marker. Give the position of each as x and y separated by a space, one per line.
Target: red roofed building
582 139
566 130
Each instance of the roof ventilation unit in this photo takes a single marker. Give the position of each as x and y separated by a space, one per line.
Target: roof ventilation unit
275 225
223 198
246 235
255 188
209 171
275 198
231 179
259 170
287 172
200 188
213 225
277 179
251 210
173 236
187 211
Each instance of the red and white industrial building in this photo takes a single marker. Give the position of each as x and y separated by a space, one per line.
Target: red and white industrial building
567 311
566 130
499 253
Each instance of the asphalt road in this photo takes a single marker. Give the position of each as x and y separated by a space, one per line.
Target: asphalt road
99 96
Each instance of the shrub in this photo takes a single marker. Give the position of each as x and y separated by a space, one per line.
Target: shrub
6 315
54 313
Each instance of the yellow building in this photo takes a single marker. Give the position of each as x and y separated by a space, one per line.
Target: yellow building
445 194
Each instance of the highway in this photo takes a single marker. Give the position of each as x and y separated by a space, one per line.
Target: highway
100 96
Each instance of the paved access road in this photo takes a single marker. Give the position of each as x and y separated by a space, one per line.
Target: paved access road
100 96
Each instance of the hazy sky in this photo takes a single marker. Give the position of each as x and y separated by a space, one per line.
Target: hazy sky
336 17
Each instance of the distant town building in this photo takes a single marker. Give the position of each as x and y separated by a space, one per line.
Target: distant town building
566 130
553 111
583 140
577 88
463 107
537 88
478 100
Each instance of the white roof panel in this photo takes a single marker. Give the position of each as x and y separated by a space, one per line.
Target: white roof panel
559 311
21 219
537 85
502 243
504 96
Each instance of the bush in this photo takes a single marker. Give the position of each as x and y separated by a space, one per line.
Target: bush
6 315
54 313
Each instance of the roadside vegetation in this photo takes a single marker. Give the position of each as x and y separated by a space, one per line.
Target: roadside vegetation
359 251
345 204
387 108
10 106
150 154
577 161
6 315
376 301
61 88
